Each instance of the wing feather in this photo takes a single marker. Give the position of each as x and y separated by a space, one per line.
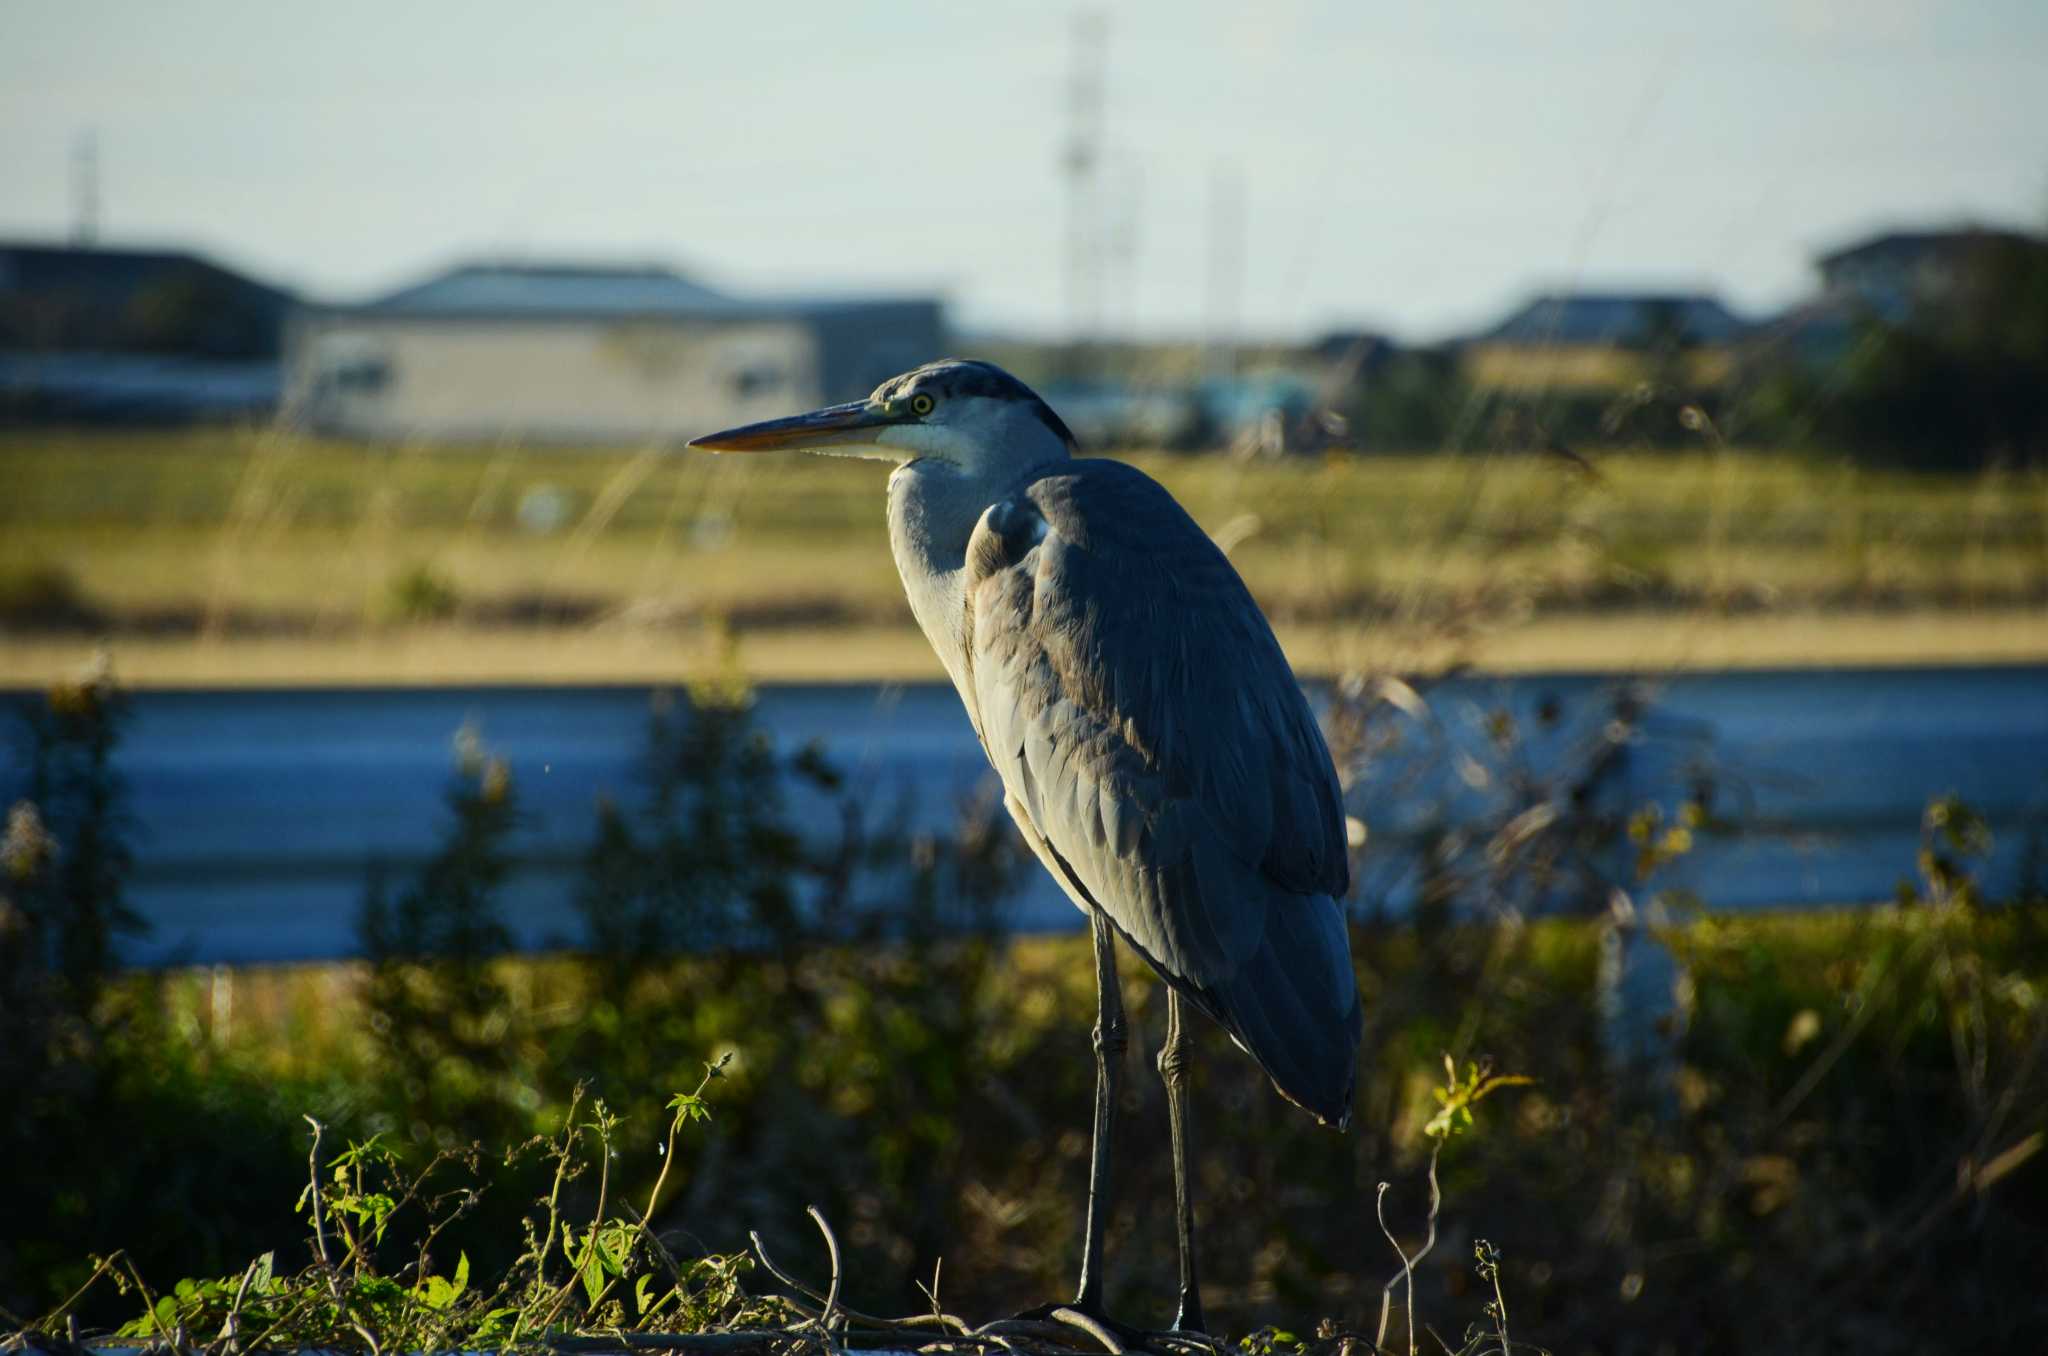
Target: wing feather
1157 750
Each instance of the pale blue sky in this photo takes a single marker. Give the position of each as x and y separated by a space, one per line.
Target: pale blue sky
1407 165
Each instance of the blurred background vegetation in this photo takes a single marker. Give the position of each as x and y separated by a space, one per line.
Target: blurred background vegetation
1569 497
1831 1138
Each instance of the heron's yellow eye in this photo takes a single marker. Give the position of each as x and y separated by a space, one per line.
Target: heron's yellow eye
920 403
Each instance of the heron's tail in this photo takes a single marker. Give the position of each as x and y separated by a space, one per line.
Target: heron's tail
1293 1005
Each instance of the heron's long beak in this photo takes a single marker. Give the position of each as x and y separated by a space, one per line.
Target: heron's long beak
830 427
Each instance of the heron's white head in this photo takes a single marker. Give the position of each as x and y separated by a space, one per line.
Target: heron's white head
972 416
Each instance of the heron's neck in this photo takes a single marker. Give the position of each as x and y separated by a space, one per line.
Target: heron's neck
933 507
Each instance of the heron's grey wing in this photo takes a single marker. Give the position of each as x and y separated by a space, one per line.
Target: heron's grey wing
1148 727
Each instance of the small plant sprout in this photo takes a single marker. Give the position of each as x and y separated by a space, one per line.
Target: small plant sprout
1486 1260
688 1106
577 1278
1455 1100
1457 1097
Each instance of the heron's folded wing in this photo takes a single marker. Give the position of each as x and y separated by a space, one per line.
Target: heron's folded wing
1136 704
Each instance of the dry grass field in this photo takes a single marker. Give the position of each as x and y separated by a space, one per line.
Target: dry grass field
215 556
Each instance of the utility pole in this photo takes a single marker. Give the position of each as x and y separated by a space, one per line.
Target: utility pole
1122 211
1226 265
1081 163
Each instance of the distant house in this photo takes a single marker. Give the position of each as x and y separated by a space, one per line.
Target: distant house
1599 341
92 333
562 354
1885 278
1619 320
1889 275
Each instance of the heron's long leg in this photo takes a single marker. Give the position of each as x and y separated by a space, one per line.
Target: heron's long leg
1111 1037
1173 1067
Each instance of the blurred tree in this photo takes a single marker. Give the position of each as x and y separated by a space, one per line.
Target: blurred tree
1960 382
1413 402
66 854
439 1013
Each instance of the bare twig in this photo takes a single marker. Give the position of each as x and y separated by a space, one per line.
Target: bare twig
49 1320
761 1251
1188 1341
661 1249
1076 1319
412 1193
288 1317
832 1249
228 1328
313 1195
931 1292
1489 1268
1036 1329
555 1191
913 1322
1406 1275
712 1343
142 1289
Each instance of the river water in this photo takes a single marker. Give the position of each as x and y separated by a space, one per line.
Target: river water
258 815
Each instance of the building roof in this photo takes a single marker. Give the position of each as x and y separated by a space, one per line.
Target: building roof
62 297
494 291
1618 318
504 289
36 265
1906 244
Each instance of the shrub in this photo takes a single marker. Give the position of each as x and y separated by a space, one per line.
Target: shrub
46 597
421 593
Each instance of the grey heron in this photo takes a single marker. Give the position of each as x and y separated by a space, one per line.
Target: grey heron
1154 747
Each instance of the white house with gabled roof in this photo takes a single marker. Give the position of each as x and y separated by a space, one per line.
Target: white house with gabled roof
550 353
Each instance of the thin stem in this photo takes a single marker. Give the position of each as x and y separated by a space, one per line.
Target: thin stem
1406 1275
107 1264
313 1194
832 1249
668 1155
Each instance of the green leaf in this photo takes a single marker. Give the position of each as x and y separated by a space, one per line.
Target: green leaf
492 1325
378 1289
438 1292
1459 1095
